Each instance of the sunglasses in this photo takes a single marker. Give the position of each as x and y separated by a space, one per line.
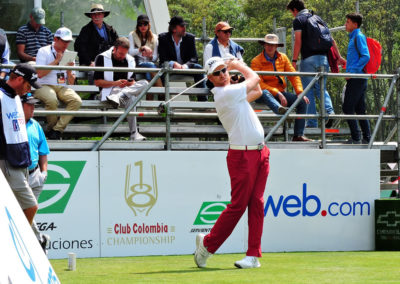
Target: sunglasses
226 31
217 73
143 24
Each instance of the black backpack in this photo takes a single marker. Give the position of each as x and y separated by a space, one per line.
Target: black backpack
318 35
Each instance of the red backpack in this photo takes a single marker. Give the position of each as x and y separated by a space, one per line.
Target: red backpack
375 55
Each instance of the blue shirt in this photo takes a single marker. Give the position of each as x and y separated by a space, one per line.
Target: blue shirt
357 58
37 142
102 32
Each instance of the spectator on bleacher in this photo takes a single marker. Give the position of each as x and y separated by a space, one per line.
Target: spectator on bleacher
54 83
143 46
39 150
274 93
311 60
356 88
14 147
119 88
94 38
178 48
5 55
222 46
32 36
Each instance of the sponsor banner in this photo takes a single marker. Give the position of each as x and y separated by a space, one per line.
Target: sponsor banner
69 205
154 203
22 259
321 200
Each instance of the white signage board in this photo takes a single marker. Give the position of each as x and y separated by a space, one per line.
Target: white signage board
129 203
69 205
321 200
154 203
22 259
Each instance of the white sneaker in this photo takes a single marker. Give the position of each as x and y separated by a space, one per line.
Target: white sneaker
114 100
201 254
136 136
248 262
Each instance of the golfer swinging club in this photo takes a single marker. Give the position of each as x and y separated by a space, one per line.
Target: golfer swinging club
248 161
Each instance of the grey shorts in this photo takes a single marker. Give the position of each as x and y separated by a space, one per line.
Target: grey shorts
18 180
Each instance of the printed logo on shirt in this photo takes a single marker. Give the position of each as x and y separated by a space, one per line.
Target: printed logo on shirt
60 184
15 125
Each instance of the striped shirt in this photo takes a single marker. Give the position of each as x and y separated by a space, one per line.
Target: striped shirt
33 40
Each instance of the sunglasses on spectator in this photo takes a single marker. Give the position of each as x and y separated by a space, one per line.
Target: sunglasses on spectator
143 24
217 73
226 31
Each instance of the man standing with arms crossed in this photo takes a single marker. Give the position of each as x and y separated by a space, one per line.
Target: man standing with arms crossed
248 161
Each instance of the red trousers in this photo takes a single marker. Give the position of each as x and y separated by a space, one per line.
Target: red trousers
248 171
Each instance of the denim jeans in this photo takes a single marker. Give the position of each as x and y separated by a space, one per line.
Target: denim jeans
147 65
354 102
274 103
312 64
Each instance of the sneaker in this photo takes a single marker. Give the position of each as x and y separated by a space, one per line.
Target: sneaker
201 254
301 139
248 262
351 141
365 141
136 136
113 100
44 242
329 123
54 135
282 110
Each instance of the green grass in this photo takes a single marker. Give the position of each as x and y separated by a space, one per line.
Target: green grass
308 267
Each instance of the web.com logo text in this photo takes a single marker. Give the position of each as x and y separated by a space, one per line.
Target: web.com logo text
311 205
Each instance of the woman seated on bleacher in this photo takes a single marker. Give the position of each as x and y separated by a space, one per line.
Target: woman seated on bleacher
143 46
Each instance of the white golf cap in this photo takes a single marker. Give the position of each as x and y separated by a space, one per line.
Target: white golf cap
64 33
213 63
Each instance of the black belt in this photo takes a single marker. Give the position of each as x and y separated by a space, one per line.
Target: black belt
33 170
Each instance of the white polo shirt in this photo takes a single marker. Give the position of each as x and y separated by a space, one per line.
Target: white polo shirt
237 116
45 56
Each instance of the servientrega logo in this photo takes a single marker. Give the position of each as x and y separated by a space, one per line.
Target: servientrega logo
209 212
62 179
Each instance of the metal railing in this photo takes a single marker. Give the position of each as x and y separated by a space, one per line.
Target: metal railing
281 118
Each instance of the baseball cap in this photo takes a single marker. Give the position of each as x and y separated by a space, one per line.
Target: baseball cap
222 26
29 99
143 19
38 15
27 71
64 33
213 63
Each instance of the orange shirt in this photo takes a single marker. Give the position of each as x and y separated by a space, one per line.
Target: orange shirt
271 83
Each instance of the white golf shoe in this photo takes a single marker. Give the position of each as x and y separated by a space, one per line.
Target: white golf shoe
248 262
201 254
136 136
